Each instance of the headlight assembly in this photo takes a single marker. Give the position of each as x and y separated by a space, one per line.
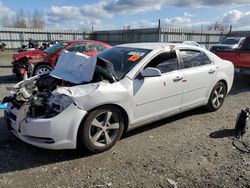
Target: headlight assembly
60 102
48 106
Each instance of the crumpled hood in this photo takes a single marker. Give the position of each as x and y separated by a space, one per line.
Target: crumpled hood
28 54
91 95
77 91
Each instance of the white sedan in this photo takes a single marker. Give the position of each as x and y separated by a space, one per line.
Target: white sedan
132 85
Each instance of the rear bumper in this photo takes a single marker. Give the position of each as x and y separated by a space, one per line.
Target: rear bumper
59 132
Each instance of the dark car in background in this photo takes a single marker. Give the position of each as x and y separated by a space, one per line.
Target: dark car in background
228 43
38 62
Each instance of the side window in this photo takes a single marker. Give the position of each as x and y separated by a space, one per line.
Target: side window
191 58
77 48
165 62
96 47
247 45
206 59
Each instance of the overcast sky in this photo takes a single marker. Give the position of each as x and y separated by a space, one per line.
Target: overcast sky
118 14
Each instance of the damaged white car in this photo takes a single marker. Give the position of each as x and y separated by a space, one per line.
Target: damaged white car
90 102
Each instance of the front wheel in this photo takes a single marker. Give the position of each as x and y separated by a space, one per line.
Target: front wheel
102 128
217 97
43 69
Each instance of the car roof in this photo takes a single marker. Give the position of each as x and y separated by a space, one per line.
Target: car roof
235 37
156 45
87 41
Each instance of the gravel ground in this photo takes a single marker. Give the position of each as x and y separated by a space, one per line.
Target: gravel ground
193 149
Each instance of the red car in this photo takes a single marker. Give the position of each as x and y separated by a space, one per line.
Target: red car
37 62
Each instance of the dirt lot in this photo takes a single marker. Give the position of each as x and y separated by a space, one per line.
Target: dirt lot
193 149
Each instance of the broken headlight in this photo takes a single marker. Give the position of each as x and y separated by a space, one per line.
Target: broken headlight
60 102
45 105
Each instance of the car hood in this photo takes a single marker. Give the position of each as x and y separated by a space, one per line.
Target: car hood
28 54
74 67
227 46
88 96
78 91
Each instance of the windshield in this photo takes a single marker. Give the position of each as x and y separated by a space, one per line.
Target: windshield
230 41
53 49
122 60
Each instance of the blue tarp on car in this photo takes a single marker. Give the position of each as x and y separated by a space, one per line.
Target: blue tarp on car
3 106
74 67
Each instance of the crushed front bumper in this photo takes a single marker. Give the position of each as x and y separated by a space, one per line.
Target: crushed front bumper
20 68
59 132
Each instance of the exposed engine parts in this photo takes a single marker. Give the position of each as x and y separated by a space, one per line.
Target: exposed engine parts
36 93
24 90
40 106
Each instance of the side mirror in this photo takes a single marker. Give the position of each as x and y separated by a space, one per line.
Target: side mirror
150 72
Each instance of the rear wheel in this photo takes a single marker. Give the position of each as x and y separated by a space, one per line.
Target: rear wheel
43 69
102 128
217 97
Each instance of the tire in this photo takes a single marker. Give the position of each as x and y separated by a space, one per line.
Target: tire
217 97
102 128
19 76
42 69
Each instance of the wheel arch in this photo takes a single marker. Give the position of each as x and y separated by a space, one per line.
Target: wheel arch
217 81
224 82
209 106
36 65
122 110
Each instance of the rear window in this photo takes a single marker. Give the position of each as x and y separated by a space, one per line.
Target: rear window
56 47
230 41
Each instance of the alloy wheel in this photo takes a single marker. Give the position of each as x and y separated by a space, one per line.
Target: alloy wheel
43 70
104 129
218 96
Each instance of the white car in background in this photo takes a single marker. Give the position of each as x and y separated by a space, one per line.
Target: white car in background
132 85
193 43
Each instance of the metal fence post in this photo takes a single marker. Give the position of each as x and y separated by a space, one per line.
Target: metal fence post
159 30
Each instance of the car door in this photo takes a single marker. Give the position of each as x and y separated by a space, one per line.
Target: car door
199 75
161 95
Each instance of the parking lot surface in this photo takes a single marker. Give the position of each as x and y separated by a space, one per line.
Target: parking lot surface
193 149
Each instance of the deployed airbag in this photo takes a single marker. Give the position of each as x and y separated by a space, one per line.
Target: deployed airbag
74 67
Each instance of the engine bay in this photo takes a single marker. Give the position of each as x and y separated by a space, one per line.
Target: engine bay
37 93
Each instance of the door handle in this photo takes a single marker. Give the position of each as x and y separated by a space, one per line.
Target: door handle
177 78
211 71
